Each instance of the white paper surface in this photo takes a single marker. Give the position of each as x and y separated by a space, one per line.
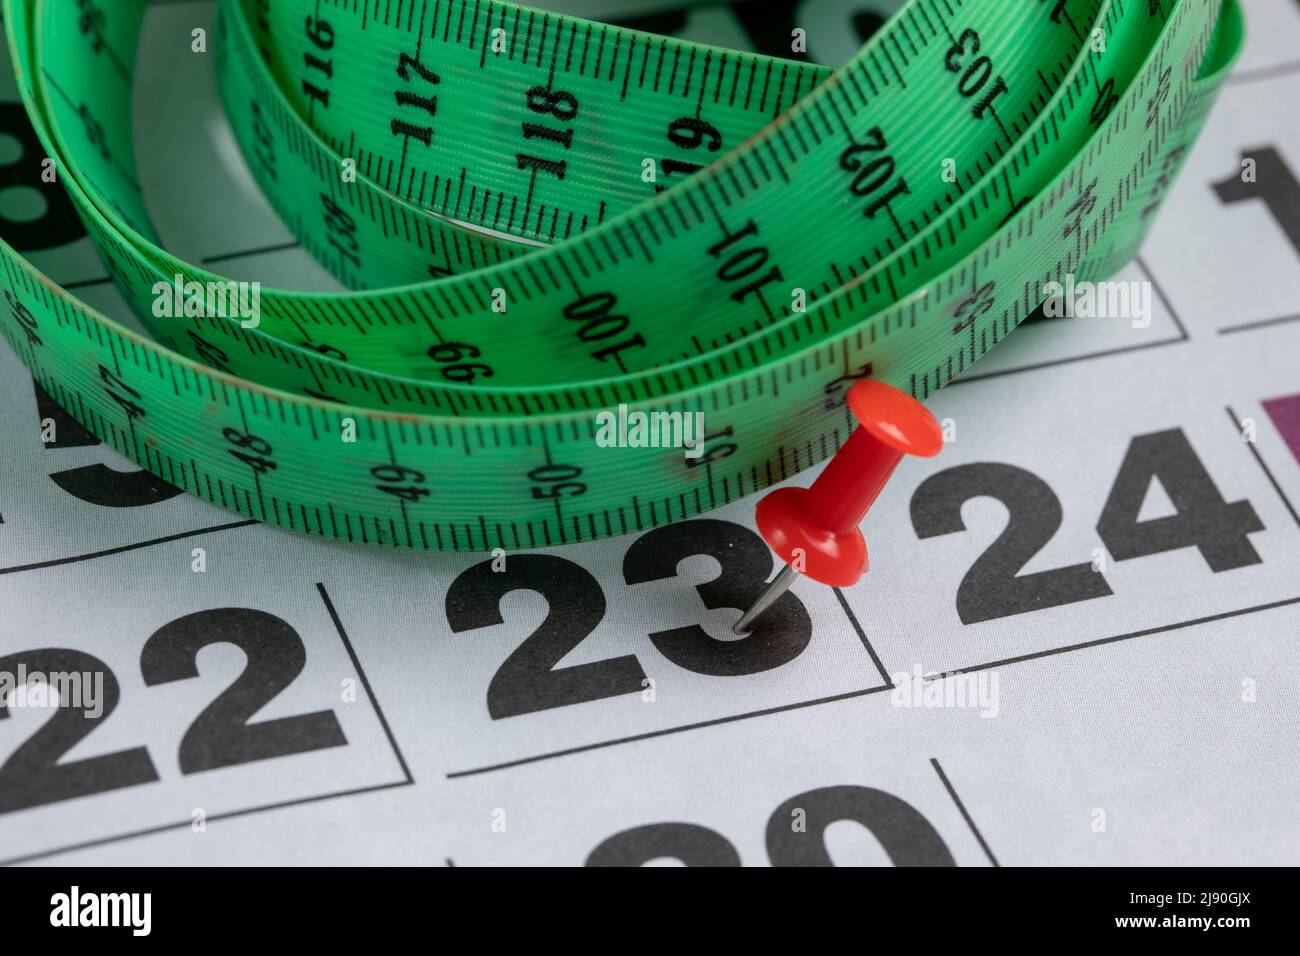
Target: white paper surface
1155 724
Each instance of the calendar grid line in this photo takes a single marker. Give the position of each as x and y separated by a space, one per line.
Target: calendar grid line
667 731
862 636
365 681
970 822
181 824
122 549
1268 472
1260 324
1099 642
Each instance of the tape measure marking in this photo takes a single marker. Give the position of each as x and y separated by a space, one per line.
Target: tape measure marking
476 429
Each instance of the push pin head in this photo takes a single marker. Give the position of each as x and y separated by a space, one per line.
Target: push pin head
816 529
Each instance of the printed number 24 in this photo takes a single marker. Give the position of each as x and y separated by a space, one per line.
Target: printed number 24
993 588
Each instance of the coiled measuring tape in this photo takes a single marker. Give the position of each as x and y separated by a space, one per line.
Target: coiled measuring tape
546 218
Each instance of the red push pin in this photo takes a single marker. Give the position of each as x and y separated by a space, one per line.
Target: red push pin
821 523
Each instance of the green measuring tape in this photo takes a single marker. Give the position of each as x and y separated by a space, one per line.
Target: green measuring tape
546 218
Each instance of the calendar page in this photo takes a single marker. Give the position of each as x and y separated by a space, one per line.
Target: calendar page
1077 643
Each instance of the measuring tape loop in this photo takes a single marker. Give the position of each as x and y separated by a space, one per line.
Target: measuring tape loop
552 227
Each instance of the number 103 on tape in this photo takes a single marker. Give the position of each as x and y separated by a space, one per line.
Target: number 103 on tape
545 221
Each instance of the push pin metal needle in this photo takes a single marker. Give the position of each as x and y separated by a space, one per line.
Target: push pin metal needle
816 529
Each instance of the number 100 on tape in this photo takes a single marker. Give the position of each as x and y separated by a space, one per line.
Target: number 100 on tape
600 280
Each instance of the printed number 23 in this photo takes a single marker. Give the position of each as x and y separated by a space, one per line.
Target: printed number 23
529 680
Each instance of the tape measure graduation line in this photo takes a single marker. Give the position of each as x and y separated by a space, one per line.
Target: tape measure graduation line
550 217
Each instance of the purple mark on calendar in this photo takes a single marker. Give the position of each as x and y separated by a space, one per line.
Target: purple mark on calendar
1285 412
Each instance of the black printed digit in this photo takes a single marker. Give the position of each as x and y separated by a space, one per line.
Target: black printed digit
318 69
993 588
98 484
222 735
528 681
422 100
58 224
1204 520
557 107
743 259
975 72
687 843
872 172
768 25
778 637
1274 184
689 133
904 833
33 775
